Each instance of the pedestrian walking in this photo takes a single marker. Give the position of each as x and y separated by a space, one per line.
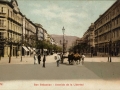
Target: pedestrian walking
83 56
35 59
44 59
58 59
34 52
39 58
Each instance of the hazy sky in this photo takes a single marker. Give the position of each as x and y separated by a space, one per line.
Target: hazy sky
75 15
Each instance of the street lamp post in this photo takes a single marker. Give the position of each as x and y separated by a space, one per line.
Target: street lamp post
63 39
10 42
109 57
110 42
63 29
64 44
21 43
17 48
21 51
20 46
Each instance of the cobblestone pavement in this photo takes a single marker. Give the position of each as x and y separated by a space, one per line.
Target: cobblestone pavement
95 74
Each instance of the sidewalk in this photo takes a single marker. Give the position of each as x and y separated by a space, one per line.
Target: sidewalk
50 58
101 59
14 60
25 60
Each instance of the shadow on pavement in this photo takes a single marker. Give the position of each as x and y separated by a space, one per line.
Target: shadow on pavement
90 70
105 70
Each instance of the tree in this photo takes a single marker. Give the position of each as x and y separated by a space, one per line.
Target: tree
41 44
57 48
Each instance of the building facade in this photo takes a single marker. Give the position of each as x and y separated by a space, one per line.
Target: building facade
17 32
107 29
28 36
45 35
39 32
86 43
10 28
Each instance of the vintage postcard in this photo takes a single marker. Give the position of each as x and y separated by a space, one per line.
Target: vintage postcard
59 44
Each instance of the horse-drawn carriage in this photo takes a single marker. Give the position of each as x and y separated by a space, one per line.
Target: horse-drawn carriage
74 58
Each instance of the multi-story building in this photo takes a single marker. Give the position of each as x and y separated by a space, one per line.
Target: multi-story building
18 34
39 32
29 36
107 29
10 27
52 40
88 41
39 36
45 35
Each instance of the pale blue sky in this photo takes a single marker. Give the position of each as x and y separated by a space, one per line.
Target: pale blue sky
75 15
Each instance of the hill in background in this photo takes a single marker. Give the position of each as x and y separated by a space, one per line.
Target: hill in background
70 39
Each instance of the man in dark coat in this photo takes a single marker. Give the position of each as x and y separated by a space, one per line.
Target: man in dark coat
39 58
69 58
44 59
72 57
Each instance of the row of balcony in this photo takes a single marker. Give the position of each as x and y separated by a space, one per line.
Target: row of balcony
104 21
3 27
107 40
30 29
16 20
4 15
107 30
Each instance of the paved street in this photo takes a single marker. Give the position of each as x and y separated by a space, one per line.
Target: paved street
95 74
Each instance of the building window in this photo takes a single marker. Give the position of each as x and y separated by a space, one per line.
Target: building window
8 12
117 21
0 9
1 35
117 33
11 14
3 9
104 37
2 23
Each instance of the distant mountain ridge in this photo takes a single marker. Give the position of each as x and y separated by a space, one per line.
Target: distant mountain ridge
70 39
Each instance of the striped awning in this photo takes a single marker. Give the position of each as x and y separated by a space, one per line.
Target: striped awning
30 49
25 48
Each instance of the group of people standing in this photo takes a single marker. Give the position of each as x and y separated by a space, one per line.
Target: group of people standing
72 57
75 57
37 58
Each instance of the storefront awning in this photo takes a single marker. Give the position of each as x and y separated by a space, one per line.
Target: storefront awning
30 49
25 48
